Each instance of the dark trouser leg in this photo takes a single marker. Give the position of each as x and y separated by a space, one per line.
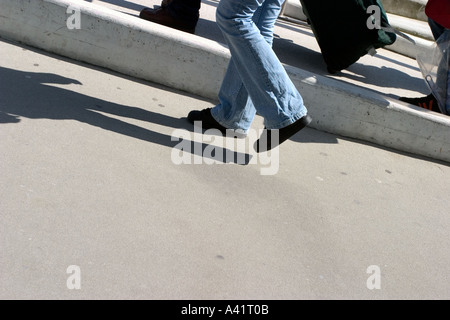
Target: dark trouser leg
442 72
187 11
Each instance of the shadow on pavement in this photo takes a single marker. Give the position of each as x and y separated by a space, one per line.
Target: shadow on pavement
31 95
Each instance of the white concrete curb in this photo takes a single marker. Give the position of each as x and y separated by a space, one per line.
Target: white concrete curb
117 41
351 111
414 9
149 51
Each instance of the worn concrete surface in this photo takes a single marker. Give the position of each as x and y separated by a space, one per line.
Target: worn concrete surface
88 179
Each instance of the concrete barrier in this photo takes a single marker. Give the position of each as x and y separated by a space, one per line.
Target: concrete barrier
117 41
414 9
351 111
123 43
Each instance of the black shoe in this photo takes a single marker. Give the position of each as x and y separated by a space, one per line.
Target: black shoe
264 143
429 102
207 120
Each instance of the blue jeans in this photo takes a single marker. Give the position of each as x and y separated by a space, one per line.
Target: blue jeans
255 80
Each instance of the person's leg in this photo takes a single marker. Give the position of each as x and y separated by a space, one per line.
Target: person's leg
272 92
435 101
235 109
430 102
436 29
442 81
263 76
185 10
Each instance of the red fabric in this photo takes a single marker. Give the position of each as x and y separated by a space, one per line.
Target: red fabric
439 11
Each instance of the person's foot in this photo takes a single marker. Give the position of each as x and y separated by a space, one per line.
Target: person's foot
162 16
429 102
265 143
208 122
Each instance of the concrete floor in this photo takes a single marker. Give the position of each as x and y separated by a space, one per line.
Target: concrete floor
88 179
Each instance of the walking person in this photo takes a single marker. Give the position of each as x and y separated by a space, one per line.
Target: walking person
255 80
438 12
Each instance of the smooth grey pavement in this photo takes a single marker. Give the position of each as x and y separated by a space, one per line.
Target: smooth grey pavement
91 194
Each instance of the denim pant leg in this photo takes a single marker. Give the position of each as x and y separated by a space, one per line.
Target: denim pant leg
255 65
235 109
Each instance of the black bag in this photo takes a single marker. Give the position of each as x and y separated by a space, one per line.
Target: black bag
345 31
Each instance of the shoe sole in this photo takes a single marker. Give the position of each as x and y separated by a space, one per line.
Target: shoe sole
302 123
